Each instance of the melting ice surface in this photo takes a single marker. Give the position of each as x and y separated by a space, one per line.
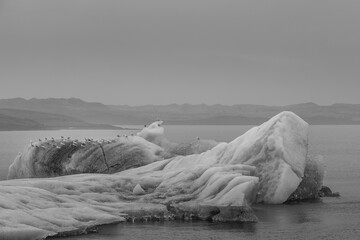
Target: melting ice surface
266 164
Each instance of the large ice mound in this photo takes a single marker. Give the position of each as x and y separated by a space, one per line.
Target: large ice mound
266 164
277 148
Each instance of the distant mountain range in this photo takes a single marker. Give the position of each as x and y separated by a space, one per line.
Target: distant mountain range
57 113
15 119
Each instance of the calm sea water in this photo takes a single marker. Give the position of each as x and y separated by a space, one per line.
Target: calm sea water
332 218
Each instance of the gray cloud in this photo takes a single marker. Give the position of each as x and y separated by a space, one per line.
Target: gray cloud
204 51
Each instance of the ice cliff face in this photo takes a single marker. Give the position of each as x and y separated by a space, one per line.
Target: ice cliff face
266 164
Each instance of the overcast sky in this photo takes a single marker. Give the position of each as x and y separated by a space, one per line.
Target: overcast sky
187 51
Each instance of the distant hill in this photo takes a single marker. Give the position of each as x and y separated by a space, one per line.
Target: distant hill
223 120
15 119
241 114
13 123
96 113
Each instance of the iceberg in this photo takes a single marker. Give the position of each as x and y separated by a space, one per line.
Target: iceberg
277 148
268 164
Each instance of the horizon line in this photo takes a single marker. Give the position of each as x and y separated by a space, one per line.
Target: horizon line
177 104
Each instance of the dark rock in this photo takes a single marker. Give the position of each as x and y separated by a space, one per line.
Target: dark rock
326 192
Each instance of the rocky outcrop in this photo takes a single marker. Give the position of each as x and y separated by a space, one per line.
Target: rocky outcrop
326 192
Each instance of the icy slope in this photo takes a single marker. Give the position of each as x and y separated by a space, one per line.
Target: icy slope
36 208
277 148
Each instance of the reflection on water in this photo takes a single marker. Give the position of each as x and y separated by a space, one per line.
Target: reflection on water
173 230
301 221
289 214
328 219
